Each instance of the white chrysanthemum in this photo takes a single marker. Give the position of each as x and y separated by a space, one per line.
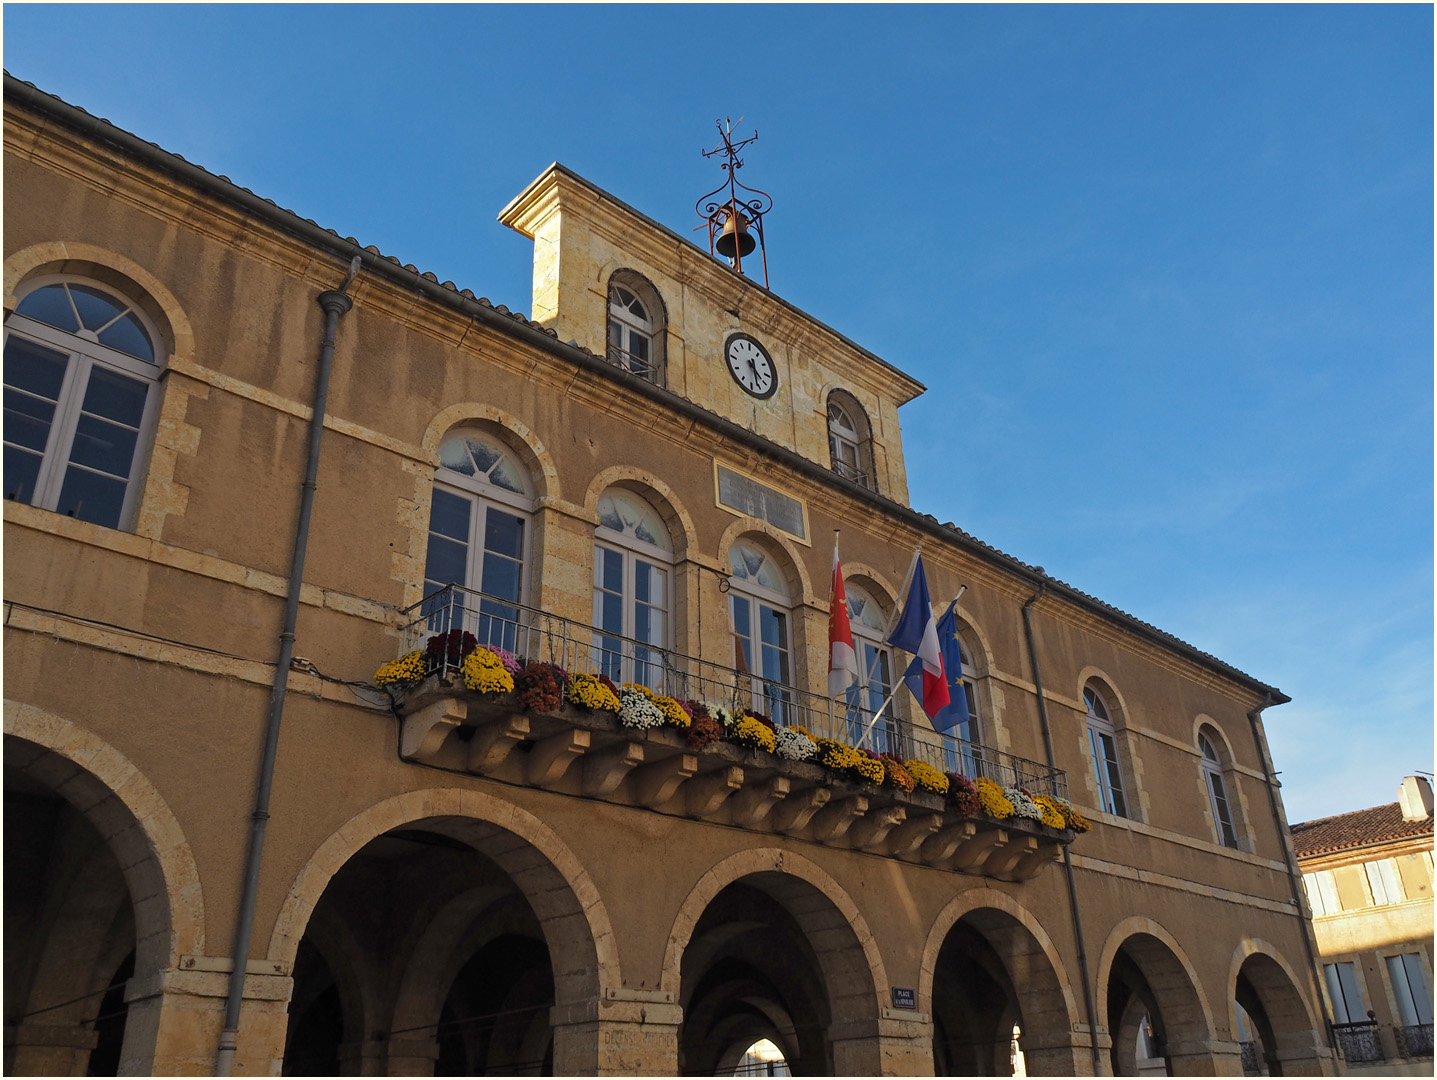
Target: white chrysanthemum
722 715
1023 807
795 745
637 711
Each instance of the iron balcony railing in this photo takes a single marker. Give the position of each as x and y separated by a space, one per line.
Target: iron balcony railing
1360 1041
1252 1059
641 366
1414 1040
577 647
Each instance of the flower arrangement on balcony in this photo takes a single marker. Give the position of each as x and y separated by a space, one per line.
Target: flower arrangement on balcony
836 755
540 686
637 709
751 732
1023 804
794 744
1071 818
483 671
896 774
992 800
1053 815
926 777
963 795
703 729
404 672
591 692
724 717
869 767
450 648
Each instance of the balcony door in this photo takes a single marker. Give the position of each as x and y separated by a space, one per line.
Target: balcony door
760 607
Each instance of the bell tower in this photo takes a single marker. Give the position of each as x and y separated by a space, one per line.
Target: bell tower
733 207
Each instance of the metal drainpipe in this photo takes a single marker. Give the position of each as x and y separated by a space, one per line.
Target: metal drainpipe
335 303
1067 862
1289 858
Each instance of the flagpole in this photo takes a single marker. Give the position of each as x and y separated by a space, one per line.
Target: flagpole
897 610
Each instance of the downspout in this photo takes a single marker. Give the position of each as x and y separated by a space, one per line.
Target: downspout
335 303
1289 857
1067 860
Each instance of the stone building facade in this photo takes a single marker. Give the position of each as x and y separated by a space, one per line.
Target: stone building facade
1368 876
644 480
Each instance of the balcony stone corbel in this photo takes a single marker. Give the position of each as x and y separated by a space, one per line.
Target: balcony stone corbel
606 770
832 822
550 759
752 803
1029 865
705 795
655 784
912 834
423 731
791 815
975 851
939 848
872 829
493 743
1000 861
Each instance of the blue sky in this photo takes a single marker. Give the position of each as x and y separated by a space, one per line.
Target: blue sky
1166 271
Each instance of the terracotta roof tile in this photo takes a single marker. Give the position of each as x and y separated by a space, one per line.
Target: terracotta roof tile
1356 829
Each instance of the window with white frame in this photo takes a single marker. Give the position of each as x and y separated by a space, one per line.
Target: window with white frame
848 439
478 538
635 326
1410 989
1216 791
81 390
875 673
1345 993
1102 743
1384 881
633 568
963 744
759 606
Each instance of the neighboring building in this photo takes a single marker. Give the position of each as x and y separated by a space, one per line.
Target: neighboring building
643 481
1368 876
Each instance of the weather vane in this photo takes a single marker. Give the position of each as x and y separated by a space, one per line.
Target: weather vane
728 219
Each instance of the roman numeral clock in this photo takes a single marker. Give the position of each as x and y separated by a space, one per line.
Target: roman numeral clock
751 366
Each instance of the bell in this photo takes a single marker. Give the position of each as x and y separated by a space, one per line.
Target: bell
735 238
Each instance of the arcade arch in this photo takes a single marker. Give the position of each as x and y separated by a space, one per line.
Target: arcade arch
1147 985
1283 1030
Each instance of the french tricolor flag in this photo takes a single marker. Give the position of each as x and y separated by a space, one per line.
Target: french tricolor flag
917 633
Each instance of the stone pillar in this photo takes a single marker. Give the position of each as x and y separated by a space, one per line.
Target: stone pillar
50 1049
176 1015
625 1033
413 1054
562 554
1064 1054
365 1058
1304 1053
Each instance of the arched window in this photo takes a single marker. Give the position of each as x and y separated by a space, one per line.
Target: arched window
478 538
1102 741
759 606
1216 791
875 673
850 446
636 330
963 743
633 567
80 394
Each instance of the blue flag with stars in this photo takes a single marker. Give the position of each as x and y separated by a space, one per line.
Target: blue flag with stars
956 713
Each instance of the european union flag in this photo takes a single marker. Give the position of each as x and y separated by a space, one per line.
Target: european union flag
957 711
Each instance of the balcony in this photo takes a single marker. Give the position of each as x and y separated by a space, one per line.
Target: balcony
1414 1041
1359 1042
590 753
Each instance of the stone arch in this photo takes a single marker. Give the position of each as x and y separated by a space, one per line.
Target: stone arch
1223 744
848 957
132 816
1176 990
975 636
110 268
1129 760
1112 696
1258 969
794 566
1049 1008
517 434
641 286
557 886
874 580
663 498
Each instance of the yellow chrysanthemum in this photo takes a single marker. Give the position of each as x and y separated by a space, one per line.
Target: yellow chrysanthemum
409 668
870 769
991 798
673 712
1052 812
482 671
753 733
927 777
588 691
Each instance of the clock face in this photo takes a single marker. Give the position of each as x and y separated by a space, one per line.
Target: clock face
750 365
